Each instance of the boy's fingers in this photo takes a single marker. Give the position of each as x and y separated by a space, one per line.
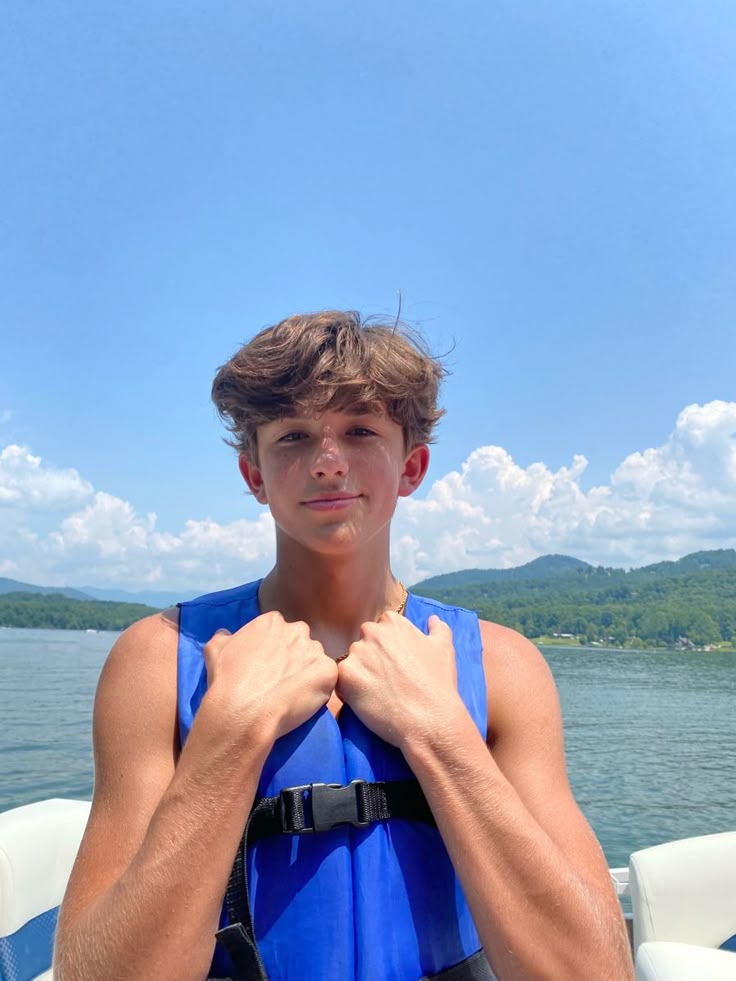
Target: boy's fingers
437 627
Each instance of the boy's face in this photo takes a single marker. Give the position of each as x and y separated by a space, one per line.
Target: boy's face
332 481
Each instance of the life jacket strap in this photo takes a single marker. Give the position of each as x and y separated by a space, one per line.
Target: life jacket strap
307 809
473 968
242 950
317 807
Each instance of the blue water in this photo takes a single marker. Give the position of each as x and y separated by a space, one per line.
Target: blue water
650 740
650 737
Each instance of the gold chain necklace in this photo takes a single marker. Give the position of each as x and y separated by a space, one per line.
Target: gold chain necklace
404 597
399 609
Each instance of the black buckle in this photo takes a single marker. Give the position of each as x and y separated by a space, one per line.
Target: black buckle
332 804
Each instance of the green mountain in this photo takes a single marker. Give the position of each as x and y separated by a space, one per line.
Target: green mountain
149 597
552 566
691 602
13 586
158 600
544 567
56 611
721 558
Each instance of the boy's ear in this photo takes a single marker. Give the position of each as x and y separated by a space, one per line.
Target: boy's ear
252 476
415 469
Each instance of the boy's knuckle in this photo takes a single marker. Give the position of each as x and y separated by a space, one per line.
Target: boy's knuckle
212 645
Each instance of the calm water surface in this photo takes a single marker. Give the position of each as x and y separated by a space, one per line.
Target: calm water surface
650 737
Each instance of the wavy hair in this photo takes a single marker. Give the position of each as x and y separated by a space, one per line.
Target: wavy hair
332 360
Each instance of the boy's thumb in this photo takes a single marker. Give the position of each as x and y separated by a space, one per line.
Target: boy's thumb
437 627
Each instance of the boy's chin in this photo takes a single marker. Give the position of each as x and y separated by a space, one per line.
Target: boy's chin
335 540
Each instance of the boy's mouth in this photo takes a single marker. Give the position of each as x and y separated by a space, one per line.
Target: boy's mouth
330 500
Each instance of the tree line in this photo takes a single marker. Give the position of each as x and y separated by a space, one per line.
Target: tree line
58 612
593 605
610 606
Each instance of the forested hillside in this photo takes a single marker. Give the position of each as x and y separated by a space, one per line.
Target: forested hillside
58 612
689 602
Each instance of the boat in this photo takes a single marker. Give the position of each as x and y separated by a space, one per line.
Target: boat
683 902
38 845
683 897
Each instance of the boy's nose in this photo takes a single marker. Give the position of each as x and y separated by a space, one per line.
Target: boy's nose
329 460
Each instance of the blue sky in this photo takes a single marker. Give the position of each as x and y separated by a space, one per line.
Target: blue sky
549 186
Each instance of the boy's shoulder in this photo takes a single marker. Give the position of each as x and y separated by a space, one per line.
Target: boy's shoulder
521 688
507 642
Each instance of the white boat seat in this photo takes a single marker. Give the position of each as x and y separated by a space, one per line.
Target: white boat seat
660 960
38 845
683 898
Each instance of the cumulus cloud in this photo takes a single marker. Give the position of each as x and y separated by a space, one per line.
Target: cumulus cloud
26 483
660 502
109 543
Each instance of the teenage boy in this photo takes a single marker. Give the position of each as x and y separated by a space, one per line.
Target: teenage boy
418 750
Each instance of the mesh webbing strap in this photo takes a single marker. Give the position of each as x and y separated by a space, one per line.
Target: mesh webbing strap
238 938
473 968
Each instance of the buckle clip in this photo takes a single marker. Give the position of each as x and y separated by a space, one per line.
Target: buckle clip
332 804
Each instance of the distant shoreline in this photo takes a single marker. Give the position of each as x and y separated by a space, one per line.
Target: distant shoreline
570 643
573 642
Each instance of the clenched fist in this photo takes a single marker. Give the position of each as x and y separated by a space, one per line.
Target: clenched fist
269 673
400 682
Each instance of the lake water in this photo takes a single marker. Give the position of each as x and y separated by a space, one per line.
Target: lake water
650 737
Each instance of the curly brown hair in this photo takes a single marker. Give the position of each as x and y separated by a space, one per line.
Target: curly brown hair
331 360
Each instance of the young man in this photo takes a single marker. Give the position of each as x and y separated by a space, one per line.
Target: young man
419 750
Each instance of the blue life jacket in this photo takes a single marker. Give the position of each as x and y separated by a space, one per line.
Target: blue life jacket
372 903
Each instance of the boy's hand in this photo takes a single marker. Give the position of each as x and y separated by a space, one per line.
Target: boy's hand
400 682
269 673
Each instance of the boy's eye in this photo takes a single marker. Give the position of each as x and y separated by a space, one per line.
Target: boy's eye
291 437
362 431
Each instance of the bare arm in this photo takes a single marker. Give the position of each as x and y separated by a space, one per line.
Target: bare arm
533 874
145 893
515 834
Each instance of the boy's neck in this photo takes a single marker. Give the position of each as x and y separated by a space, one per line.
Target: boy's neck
335 596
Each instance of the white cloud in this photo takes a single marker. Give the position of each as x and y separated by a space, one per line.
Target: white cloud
25 483
107 527
8 568
108 542
660 502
